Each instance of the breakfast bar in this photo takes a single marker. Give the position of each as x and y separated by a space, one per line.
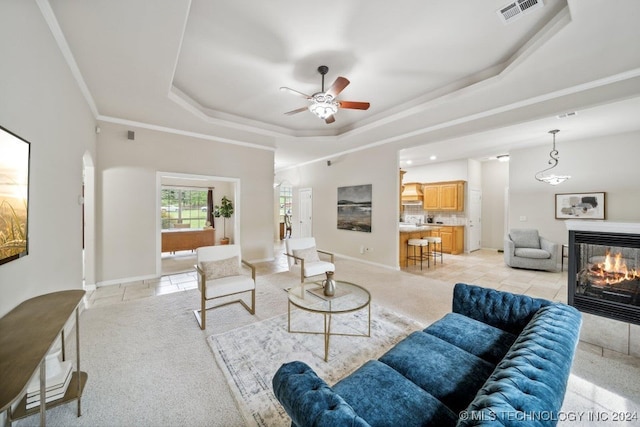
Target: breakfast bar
452 238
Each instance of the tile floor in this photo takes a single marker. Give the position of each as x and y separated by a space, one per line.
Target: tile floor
480 267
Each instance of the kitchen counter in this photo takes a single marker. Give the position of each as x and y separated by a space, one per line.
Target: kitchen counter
413 228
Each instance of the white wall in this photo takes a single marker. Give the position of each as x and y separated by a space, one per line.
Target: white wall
378 167
41 102
444 171
127 232
600 164
608 164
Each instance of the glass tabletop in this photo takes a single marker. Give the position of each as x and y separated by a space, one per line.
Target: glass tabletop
348 297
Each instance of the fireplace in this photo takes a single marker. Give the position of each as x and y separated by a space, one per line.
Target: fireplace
604 269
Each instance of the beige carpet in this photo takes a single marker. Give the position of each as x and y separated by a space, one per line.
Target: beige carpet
250 356
150 365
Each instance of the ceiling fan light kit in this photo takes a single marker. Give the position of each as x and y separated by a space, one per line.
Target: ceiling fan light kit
323 106
324 103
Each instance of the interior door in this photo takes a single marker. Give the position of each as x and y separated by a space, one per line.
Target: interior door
305 212
475 225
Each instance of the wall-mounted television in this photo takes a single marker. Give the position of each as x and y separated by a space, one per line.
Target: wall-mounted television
14 196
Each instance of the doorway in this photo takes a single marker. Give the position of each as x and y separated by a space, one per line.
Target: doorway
475 220
177 214
306 212
87 201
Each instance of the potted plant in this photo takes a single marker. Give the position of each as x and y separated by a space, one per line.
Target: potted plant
224 210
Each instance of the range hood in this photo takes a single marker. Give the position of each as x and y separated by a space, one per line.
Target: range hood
412 193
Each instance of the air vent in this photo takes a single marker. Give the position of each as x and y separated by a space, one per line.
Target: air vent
569 114
514 10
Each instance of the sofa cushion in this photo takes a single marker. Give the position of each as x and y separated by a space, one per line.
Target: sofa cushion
525 238
383 397
443 370
532 378
532 253
503 310
477 338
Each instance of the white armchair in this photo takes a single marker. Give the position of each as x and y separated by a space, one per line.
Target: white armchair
220 274
525 248
302 255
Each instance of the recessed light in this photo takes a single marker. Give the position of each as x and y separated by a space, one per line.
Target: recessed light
432 158
503 158
409 162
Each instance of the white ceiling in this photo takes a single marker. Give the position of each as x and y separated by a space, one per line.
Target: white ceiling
443 78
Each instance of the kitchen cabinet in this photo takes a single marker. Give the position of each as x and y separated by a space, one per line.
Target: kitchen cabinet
452 238
444 196
431 197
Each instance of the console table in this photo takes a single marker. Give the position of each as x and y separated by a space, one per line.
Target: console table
187 239
27 334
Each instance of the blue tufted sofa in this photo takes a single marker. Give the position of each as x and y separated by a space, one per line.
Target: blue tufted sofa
497 359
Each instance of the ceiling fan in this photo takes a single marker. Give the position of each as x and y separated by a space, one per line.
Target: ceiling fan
324 104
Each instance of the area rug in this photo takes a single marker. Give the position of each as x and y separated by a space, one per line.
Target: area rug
250 356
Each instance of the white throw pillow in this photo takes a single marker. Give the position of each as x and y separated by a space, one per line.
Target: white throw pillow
307 254
220 268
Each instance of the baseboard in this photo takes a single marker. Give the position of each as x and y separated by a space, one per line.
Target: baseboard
388 267
127 280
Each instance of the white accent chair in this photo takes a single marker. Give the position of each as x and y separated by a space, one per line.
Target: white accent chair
220 274
524 248
302 254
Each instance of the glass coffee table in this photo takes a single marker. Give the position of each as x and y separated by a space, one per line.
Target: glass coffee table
348 298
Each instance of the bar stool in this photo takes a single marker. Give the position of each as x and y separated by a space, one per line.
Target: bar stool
435 241
421 243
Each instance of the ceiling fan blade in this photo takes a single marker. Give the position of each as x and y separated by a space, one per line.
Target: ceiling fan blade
296 111
295 92
337 87
354 105
330 119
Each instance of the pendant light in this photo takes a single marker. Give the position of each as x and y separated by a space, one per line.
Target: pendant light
551 178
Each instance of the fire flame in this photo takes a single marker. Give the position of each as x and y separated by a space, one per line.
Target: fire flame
614 270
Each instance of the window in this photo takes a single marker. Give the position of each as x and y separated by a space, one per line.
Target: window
286 199
183 207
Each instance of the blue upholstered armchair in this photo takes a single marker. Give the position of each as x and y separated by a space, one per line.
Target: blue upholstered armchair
525 248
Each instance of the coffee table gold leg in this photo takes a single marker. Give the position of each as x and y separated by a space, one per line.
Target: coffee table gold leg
327 335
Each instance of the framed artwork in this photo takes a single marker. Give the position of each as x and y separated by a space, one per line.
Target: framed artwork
14 196
580 206
354 208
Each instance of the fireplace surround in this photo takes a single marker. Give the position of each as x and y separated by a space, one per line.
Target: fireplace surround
604 269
